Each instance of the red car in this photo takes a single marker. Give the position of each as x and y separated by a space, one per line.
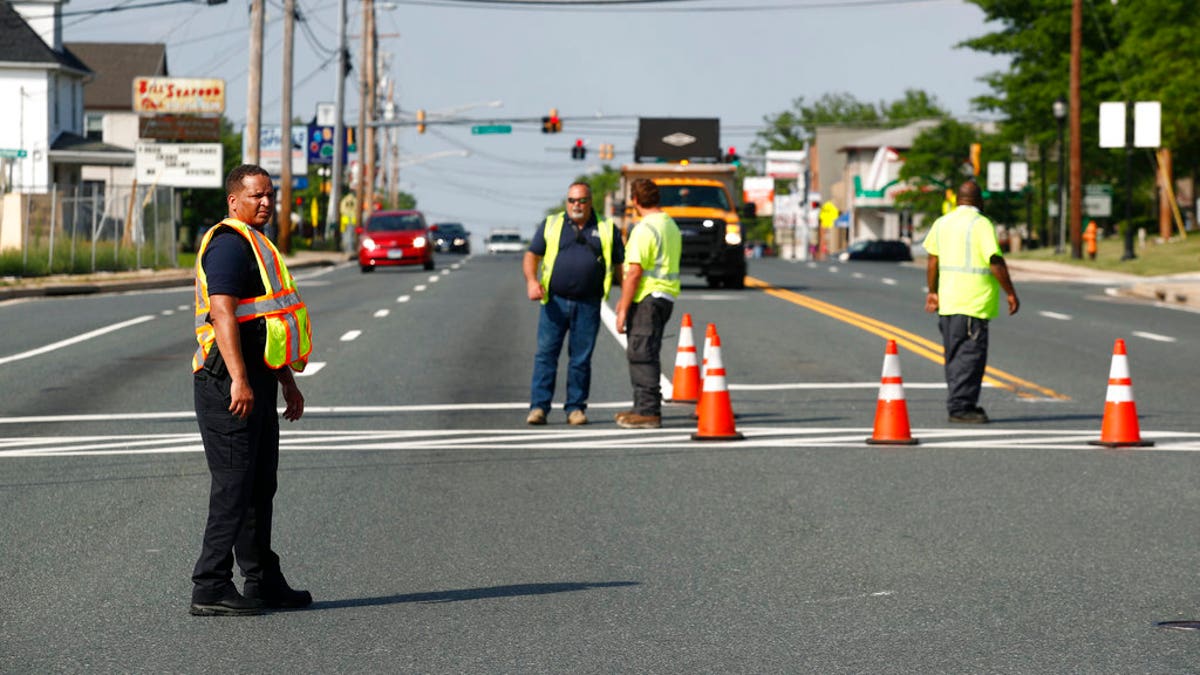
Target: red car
395 238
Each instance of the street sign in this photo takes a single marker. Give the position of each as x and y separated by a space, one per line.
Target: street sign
186 128
178 95
326 114
270 149
320 144
995 176
492 129
1097 200
12 153
1018 176
197 165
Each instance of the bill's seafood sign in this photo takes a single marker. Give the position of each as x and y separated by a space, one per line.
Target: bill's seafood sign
196 96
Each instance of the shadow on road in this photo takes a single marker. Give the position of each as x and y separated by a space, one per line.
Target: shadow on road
511 591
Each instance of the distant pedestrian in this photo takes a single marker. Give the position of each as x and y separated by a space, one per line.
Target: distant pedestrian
572 262
647 297
965 273
253 331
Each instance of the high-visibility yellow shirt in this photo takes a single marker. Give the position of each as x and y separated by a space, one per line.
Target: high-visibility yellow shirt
964 242
656 245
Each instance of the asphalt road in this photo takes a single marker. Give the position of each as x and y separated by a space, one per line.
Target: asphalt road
439 533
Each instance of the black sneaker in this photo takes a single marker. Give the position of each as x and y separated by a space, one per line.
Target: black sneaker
284 597
975 415
232 604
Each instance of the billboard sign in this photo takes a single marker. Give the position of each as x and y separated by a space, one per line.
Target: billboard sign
787 164
760 191
183 128
270 149
189 95
187 165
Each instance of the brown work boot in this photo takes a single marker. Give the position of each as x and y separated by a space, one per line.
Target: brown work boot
635 421
577 417
536 416
623 413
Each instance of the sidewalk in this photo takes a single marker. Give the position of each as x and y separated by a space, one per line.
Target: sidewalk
1176 289
116 282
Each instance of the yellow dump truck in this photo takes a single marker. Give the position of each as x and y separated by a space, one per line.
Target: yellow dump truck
700 199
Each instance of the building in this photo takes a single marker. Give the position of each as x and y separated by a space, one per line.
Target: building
870 179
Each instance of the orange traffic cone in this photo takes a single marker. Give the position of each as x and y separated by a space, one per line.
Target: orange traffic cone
685 387
709 332
891 410
715 409
1120 426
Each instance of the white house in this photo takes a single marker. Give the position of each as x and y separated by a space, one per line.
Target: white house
872 172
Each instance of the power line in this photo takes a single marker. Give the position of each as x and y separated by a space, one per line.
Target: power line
650 5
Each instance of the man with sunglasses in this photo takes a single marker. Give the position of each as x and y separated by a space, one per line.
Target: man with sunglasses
572 262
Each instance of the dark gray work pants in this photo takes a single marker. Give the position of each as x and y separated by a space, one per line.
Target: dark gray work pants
645 325
965 341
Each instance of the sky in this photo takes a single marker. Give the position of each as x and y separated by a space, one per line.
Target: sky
737 60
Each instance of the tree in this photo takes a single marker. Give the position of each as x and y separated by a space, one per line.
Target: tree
602 183
939 160
789 129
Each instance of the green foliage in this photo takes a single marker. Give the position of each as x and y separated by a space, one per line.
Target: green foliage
789 129
602 183
34 261
939 160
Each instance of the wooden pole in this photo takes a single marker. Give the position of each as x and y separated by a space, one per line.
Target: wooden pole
254 84
285 171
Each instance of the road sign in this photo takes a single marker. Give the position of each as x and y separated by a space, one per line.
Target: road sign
270 149
12 153
196 165
178 95
492 129
186 128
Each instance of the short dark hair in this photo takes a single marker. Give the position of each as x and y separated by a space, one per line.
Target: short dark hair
233 182
579 182
969 194
645 192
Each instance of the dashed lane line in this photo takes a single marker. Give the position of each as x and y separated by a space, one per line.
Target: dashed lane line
350 335
1055 315
1153 336
380 313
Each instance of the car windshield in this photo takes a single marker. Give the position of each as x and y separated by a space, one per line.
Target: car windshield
506 237
705 196
405 222
858 246
450 229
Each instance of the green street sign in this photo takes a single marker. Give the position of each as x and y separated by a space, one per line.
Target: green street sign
492 129
11 153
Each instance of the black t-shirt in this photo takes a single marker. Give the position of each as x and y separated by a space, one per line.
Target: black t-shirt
230 269
579 268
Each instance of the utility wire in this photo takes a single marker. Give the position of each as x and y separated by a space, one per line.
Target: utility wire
648 5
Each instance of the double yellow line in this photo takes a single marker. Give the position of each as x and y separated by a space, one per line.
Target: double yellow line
914 343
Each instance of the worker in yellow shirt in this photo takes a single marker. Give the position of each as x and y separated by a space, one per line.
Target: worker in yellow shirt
966 272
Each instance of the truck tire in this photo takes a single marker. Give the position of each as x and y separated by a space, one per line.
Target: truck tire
713 282
735 281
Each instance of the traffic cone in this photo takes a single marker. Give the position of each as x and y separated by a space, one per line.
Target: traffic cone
709 332
1120 426
715 409
685 387
891 410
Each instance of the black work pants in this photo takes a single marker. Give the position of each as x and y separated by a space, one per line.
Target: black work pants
644 329
965 341
243 456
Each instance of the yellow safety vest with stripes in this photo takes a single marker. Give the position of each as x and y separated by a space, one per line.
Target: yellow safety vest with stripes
289 334
964 242
657 246
553 232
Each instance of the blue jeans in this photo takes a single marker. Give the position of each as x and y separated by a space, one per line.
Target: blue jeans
560 317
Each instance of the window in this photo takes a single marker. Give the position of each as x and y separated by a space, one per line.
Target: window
406 222
93 126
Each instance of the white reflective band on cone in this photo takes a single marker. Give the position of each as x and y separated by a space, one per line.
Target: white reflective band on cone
1120 367
1119 393
891 392
891 366
714 382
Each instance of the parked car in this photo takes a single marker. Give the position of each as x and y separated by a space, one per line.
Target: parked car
877 249
394 238
505 241
451 238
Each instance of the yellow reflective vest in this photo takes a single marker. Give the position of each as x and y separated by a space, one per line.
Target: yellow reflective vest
553 232
289 334
964 242
656 245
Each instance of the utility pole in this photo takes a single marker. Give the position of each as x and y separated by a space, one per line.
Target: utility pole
254 87
394 143
284 225
333 209
1076 134
371 155
360 173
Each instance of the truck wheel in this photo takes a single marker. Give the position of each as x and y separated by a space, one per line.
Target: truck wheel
713 282
737 281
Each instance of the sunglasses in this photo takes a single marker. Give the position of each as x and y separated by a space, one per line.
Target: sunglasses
581 200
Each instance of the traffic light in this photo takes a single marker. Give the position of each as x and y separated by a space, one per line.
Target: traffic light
421 121
606 151
731 157
552 124
975 159
577 150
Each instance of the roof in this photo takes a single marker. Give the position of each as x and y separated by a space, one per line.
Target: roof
892 138
71 148
116 64
20 43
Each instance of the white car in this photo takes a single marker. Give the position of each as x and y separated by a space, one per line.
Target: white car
505 241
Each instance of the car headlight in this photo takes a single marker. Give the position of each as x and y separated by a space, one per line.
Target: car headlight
733 238
368 243
419 242
459 242
843 256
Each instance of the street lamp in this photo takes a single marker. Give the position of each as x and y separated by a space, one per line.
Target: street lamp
1060 114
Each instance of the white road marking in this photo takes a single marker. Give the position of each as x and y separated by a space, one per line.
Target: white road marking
183 308
380 313
857 275
445 272
812 265
713 296
167 312
433 279
595 437
419 287
833 268
312 368
1056 315
888 281
1154 336
73 340
350 335
404 298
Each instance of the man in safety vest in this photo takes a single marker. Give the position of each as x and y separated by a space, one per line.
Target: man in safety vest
253 330
579 256
965 272
647 297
